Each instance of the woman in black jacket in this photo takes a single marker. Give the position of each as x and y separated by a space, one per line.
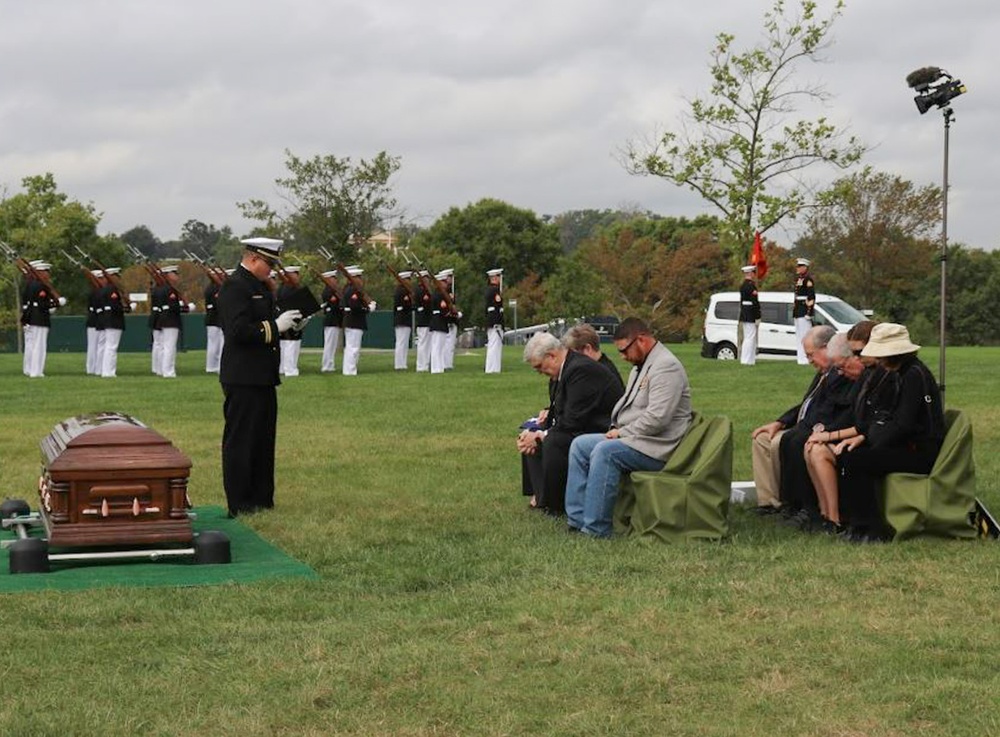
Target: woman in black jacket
899 427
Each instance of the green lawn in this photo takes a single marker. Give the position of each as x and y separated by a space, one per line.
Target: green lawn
444 607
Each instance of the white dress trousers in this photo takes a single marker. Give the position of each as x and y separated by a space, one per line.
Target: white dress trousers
331 342
423 349
214 341
352 350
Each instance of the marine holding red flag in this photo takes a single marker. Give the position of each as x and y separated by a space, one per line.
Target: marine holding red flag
757 257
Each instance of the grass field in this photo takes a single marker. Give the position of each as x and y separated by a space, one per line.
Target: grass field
445 608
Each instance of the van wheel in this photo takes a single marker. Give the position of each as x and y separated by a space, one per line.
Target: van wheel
725 351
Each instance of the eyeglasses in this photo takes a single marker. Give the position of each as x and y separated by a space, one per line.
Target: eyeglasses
624 350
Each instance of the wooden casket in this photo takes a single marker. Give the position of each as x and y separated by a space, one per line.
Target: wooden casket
109 480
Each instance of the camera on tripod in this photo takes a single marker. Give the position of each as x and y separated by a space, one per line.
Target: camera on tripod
934 87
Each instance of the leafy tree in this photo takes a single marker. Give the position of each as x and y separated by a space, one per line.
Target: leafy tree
206 240
576 226
530 295
662 272
329 202
873 241
39 223
576 289
740 147
143 239
489 234
973 293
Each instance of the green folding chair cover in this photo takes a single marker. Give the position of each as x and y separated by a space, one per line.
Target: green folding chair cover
937 504
689 497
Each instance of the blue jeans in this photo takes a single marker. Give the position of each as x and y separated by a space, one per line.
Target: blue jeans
596 465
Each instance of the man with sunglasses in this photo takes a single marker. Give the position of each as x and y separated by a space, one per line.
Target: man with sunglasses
647 424
249 375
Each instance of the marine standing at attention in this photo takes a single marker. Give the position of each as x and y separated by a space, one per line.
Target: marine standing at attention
494 321
749 316
802 310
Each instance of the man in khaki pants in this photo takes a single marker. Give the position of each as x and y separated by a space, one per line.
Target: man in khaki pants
767 438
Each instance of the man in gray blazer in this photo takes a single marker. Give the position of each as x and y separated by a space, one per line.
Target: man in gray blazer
647 423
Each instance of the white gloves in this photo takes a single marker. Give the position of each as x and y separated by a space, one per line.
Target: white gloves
287 320
372 306
191 306
132 305
62 301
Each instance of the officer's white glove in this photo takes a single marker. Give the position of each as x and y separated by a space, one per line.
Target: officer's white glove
132 305
191 306
371 306
287 319
62 301
459 315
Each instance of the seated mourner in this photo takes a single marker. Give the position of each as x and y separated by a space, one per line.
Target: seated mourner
818 404
820 462
647 424
899 427
582 397
584 339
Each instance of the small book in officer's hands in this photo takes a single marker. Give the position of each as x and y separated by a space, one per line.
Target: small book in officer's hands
302 300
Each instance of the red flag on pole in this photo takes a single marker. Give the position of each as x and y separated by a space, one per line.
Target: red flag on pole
757 257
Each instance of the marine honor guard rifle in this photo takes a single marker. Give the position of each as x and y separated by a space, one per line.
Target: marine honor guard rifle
151 267
30 272
439 286
212 271
87 271
352 280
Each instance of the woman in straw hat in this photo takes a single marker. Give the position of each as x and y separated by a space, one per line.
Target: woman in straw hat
899 427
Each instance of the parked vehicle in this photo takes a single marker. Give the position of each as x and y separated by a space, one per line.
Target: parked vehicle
776 332
604 325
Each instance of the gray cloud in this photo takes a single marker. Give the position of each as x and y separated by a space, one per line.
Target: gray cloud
161 112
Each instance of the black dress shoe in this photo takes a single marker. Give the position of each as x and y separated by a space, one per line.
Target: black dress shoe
765 510
799 520
866 537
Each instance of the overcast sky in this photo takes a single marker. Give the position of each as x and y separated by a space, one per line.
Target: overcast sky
159 112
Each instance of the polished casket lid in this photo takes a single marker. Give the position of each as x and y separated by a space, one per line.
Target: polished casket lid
108 441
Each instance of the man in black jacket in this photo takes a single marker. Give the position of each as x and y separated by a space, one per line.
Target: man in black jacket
356 309
249 375
291 341
333 320
584 395
402 320
749 316
823 399
37 301
171 323
423 304
112 322
213 330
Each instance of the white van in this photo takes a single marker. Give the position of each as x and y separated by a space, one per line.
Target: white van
776 332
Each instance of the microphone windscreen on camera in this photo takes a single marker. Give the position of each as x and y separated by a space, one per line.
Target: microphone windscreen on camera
924 76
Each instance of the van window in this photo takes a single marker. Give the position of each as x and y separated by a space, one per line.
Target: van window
776 313
727 310
842 312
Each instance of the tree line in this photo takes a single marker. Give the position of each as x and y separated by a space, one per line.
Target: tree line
873 245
